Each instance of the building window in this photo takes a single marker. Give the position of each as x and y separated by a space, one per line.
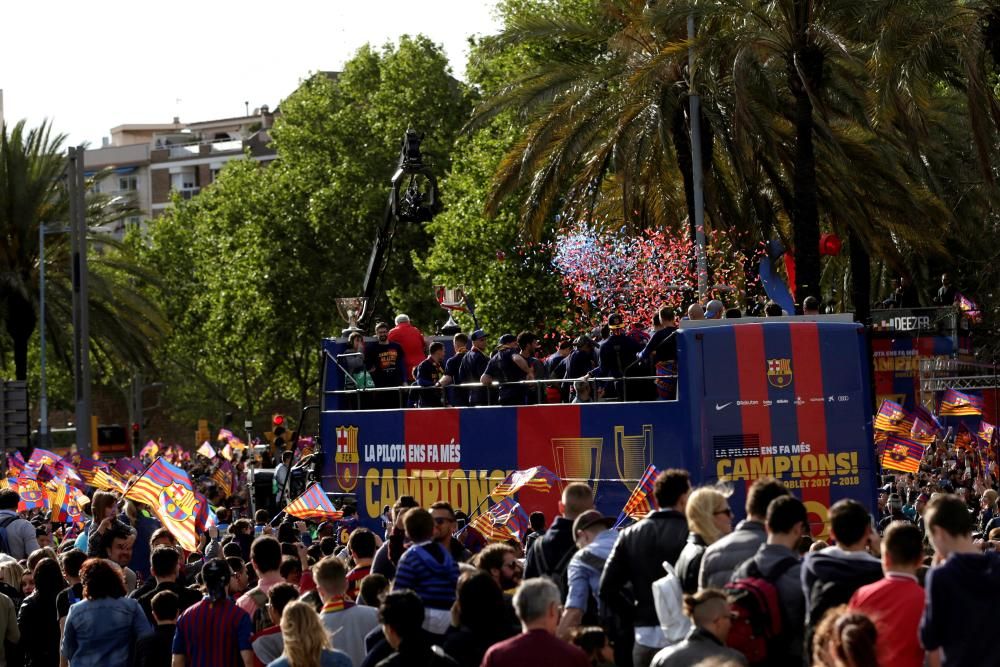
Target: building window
127 183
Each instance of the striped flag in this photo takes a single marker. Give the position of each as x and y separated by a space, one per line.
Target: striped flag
15 464
892 418
225 435
639 503
957 404
902 454
986 431
63 499
167 490
538 478
151 449
32 495
223 477
314 504
504 521
207 450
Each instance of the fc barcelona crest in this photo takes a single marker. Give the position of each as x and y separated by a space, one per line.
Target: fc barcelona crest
346 459
779 372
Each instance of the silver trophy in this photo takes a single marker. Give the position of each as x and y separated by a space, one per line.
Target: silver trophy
352 309
451 299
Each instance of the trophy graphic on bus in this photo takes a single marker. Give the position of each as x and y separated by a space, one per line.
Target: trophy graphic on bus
578 459
451 299
633 454
352 309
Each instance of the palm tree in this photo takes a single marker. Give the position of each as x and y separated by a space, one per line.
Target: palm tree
124 323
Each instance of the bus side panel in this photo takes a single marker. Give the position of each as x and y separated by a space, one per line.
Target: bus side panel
460 454
789 400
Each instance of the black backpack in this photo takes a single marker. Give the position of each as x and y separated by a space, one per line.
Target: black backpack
558 574
4 543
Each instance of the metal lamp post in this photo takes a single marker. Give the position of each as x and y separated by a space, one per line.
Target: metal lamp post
43 399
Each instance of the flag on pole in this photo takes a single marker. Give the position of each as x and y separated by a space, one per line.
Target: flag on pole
223 477
639 503
151 449
313 504
15 464
956 404
226 452
504 521
207 450
902 454
538 478
63 501
892 418
237 444
225 435
986 431
167 490
32 496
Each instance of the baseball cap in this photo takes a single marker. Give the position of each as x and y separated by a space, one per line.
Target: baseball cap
615 321
478 334
216 574
714 309
591 518
507 339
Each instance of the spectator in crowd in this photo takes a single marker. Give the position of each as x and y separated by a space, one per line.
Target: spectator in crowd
409 338
499 560
709 518
101 630
21 538
478 609
894 512
38 619
537 605
426 568
215 632
712 619
724 556
594 641
536 523
594 540
962 589
10 634
281 479
777 561
896 603
155 650
11 573
115 544
550 553
638 557
71 561
361 547
346 623
267 644
239 583
372 590
291 570
401 618
830 576
846 638
444 530
265 555
305 641
165 564
392 548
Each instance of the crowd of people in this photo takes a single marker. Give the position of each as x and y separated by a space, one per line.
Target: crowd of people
617 361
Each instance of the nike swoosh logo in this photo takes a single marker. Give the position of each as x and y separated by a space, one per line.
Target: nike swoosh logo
723 406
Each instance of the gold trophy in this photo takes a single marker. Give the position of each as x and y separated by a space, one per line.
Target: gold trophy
352 309
578 459
633 454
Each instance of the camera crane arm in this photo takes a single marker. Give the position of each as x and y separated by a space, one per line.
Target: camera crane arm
408 202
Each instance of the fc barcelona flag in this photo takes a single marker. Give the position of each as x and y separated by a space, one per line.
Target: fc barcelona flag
538 478
168 491
638 504
223 477
504 521
32 496
902 454
893 418
957 404
314 504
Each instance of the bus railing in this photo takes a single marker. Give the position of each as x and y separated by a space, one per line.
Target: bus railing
409 395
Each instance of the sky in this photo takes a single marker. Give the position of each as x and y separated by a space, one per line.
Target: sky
99 64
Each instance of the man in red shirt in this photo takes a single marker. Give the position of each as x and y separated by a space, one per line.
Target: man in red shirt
896 602
537 605
412 341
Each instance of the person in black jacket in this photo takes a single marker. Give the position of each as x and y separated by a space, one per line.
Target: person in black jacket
637 559
37 618
480 603
401 616
166 566
709 517
154 650
550 554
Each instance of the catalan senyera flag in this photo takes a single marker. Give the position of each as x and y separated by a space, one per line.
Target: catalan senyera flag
957 404
640 503
33 496
314 504
223 477
151 449
207 450
168 491
504 521
893 418
538 478
902 454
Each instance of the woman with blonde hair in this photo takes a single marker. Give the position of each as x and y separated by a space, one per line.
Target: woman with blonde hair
709 517
306 641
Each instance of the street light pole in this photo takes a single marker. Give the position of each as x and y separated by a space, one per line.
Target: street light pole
696 170
81 304
43 399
